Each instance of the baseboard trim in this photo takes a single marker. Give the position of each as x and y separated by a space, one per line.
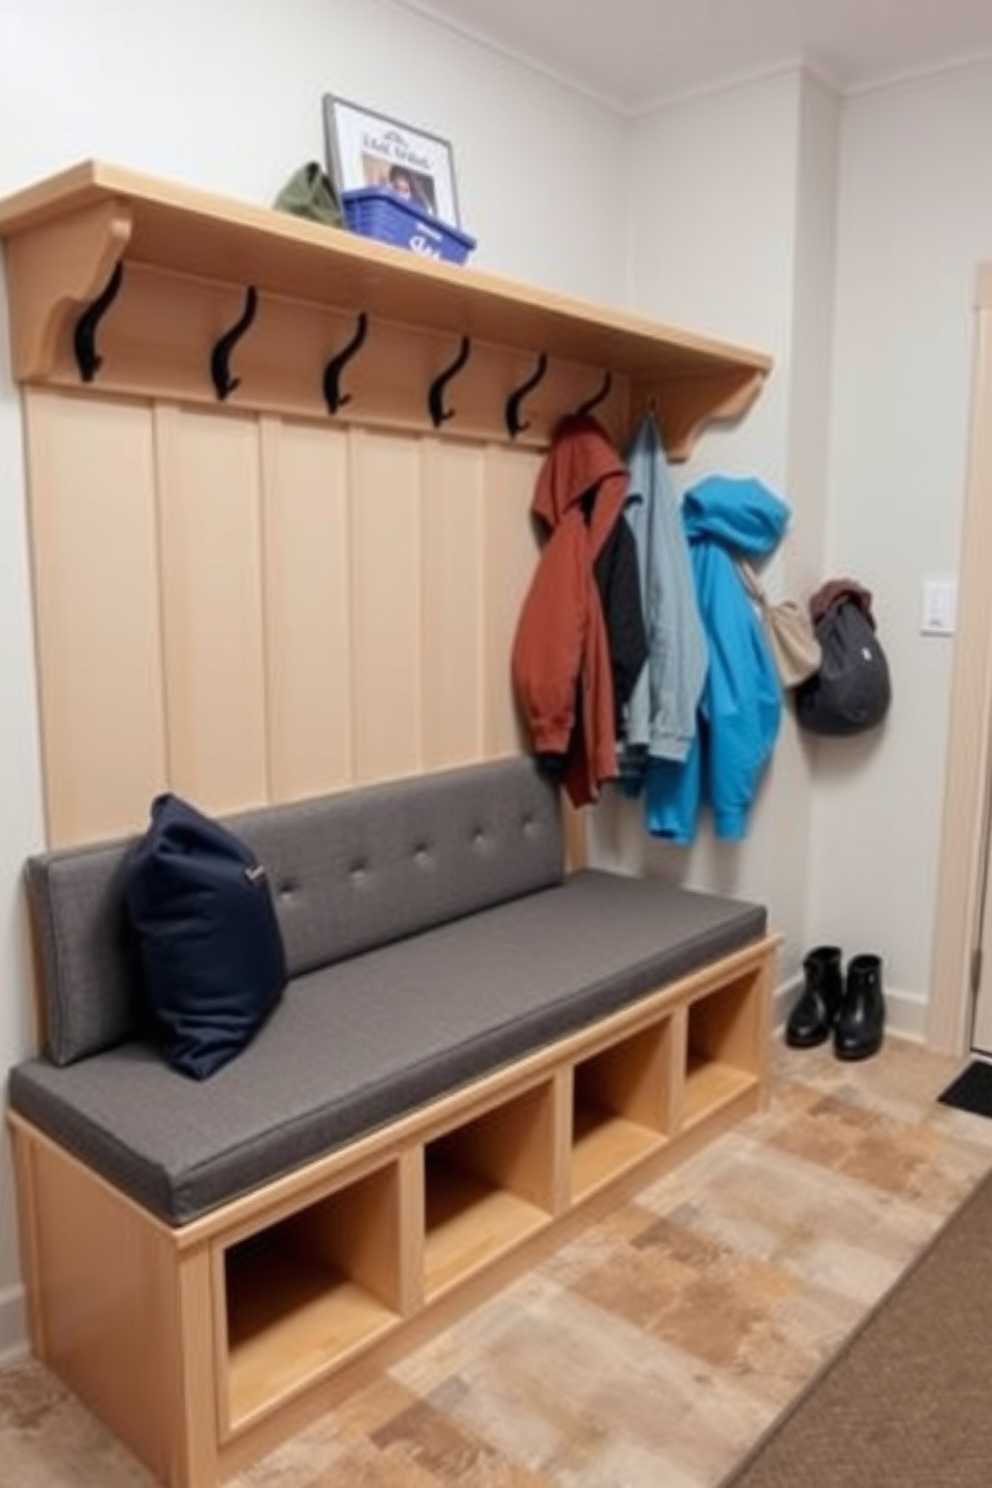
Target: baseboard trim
905 1012
13 1325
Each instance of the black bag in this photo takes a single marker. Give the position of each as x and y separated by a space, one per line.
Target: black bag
211 949
852 690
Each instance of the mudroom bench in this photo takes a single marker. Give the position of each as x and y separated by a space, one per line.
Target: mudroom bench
476 1052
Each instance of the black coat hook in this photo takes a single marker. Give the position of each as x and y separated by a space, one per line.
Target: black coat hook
88 359
514 423
220 357
332 372
597 397
435 398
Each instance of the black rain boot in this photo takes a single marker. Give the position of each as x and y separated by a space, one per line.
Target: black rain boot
814 1014
861 1021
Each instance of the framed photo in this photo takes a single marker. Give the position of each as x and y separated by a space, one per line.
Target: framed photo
370 149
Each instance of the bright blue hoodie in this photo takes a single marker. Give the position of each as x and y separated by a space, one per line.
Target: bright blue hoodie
741 705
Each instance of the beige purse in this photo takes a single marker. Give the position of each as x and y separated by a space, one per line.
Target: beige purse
791 639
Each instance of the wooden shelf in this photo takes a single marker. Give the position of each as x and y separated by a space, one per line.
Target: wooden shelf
189 258
605 1145
469 1223
710 1085
305 1293
724 1051
488 1184
290 1322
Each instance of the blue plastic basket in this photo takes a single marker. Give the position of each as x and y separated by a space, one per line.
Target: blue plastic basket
379 213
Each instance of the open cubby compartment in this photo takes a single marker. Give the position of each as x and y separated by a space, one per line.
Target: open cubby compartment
723 1053
621 1106
489 1183
306 1292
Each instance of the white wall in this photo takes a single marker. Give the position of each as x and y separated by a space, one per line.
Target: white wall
843 238
915 219
20 806
226 95
732 233
807 458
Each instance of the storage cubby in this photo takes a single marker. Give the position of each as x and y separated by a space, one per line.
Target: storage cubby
488 1184
722 1054
306 1292
620 1106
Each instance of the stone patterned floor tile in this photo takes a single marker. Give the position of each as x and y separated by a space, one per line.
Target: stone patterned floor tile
651 1350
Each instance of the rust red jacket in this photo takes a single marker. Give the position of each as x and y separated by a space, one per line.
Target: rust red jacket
561 658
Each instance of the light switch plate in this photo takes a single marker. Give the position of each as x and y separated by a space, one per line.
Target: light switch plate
940 606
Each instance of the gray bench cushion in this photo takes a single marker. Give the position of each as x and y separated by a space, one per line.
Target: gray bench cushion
356 1044
349 872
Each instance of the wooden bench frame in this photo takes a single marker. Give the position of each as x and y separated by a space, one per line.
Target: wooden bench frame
202 1347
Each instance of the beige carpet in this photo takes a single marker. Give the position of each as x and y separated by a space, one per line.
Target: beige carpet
907 1403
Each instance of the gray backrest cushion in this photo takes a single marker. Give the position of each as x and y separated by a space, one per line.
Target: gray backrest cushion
349 872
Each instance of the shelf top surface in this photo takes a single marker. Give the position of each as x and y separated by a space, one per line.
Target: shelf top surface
188 231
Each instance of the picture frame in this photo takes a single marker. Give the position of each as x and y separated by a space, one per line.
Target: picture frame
366 148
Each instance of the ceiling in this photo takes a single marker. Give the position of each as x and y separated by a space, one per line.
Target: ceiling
635 54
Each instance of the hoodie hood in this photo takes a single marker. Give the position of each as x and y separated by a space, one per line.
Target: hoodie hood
738 512
582 462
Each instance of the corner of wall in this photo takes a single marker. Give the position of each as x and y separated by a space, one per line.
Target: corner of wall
13 1325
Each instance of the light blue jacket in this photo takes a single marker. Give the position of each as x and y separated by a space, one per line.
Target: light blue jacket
741 705
661 714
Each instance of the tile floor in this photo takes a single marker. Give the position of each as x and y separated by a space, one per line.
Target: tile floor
654 1348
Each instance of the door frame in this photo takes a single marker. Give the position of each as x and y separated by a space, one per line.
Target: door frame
967 783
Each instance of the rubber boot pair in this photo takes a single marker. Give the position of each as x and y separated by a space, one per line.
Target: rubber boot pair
852 1012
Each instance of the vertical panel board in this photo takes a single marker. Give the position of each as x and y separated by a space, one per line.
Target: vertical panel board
210 526
96 607
386 609
510 557
307 608
453 669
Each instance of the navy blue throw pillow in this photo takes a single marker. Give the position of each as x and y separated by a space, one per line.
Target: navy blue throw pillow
211 950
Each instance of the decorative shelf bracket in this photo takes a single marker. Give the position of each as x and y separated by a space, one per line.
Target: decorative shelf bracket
514 423
684 407
220 357
435 398
332 372
88 359
54 272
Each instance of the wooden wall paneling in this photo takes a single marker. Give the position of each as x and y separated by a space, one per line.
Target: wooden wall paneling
511 550
307 608
385 495
212 606
453 566
92 509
